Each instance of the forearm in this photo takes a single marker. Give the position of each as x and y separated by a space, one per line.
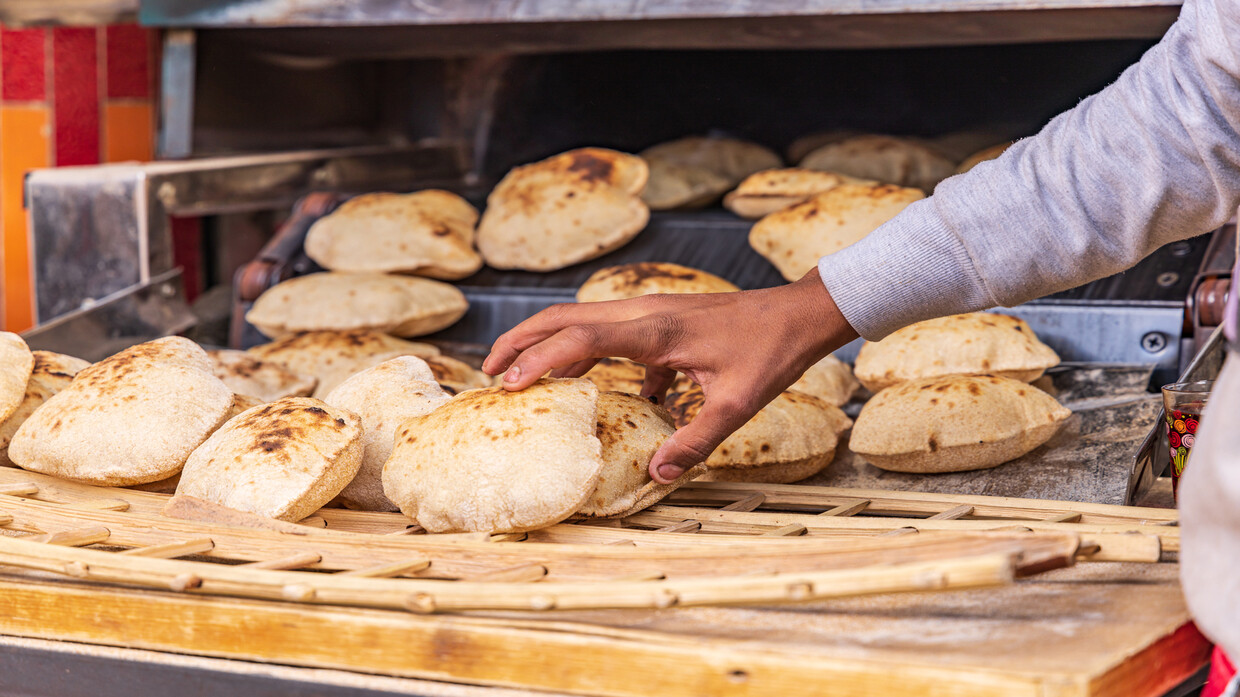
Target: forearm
1153 158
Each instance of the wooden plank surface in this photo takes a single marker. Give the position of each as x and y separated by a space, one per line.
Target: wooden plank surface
1095 629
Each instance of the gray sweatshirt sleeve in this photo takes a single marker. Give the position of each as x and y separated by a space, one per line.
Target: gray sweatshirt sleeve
1153 158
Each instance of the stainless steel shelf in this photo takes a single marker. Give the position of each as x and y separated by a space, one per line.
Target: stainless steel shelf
457 27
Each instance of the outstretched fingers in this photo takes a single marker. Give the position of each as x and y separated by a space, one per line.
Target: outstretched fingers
551 321
572 347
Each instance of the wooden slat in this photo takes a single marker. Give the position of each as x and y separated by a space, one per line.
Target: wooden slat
847 509
293 561
681 527
749 503
524 573
1064 518
172 550
103 504
390 570
953 513
18 488
75 538
790 530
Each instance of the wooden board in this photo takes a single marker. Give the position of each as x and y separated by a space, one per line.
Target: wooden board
1095 629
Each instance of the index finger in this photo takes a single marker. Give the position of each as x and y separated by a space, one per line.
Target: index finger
552 320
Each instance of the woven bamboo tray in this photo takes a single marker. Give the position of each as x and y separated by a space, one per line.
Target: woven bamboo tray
709 544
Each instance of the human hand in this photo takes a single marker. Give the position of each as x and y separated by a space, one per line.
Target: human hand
743 349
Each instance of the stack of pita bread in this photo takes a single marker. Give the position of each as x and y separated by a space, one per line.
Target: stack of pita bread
499 461
399 305
771 190
332 356
427 233
793 239
564 210
952 395
46 373
695 171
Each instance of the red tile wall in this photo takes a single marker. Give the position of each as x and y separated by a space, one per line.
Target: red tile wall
68 96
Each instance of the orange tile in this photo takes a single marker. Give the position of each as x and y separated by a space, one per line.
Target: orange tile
127 132
23 147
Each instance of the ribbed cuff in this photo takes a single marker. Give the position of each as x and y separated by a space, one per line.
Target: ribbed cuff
910 269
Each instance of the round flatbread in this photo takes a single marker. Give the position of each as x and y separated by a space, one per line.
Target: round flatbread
830 380
333 356
52 373
617 375
631 430
427 233
795 238
620 170
541 219
498 461
16 365
264 380
399 305
793 437
765 192
448 370
954 424
646 278
675 186
972 344
283 459
384 397
730 158
898 161
129 419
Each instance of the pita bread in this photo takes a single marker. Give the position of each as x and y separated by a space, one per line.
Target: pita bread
981 156
730 158
954 424
694 172
385 397
498 461
617 375
972 344
333 356
542 220
899 161
447 369
52 373
791 438
631 430
829 380
620 170
808 143
673 186
795 238
263 380
18 363
399 305
646 278
427 233
771 190
282 460
242 402
129 419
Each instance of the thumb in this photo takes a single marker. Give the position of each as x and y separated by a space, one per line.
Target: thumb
693 443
